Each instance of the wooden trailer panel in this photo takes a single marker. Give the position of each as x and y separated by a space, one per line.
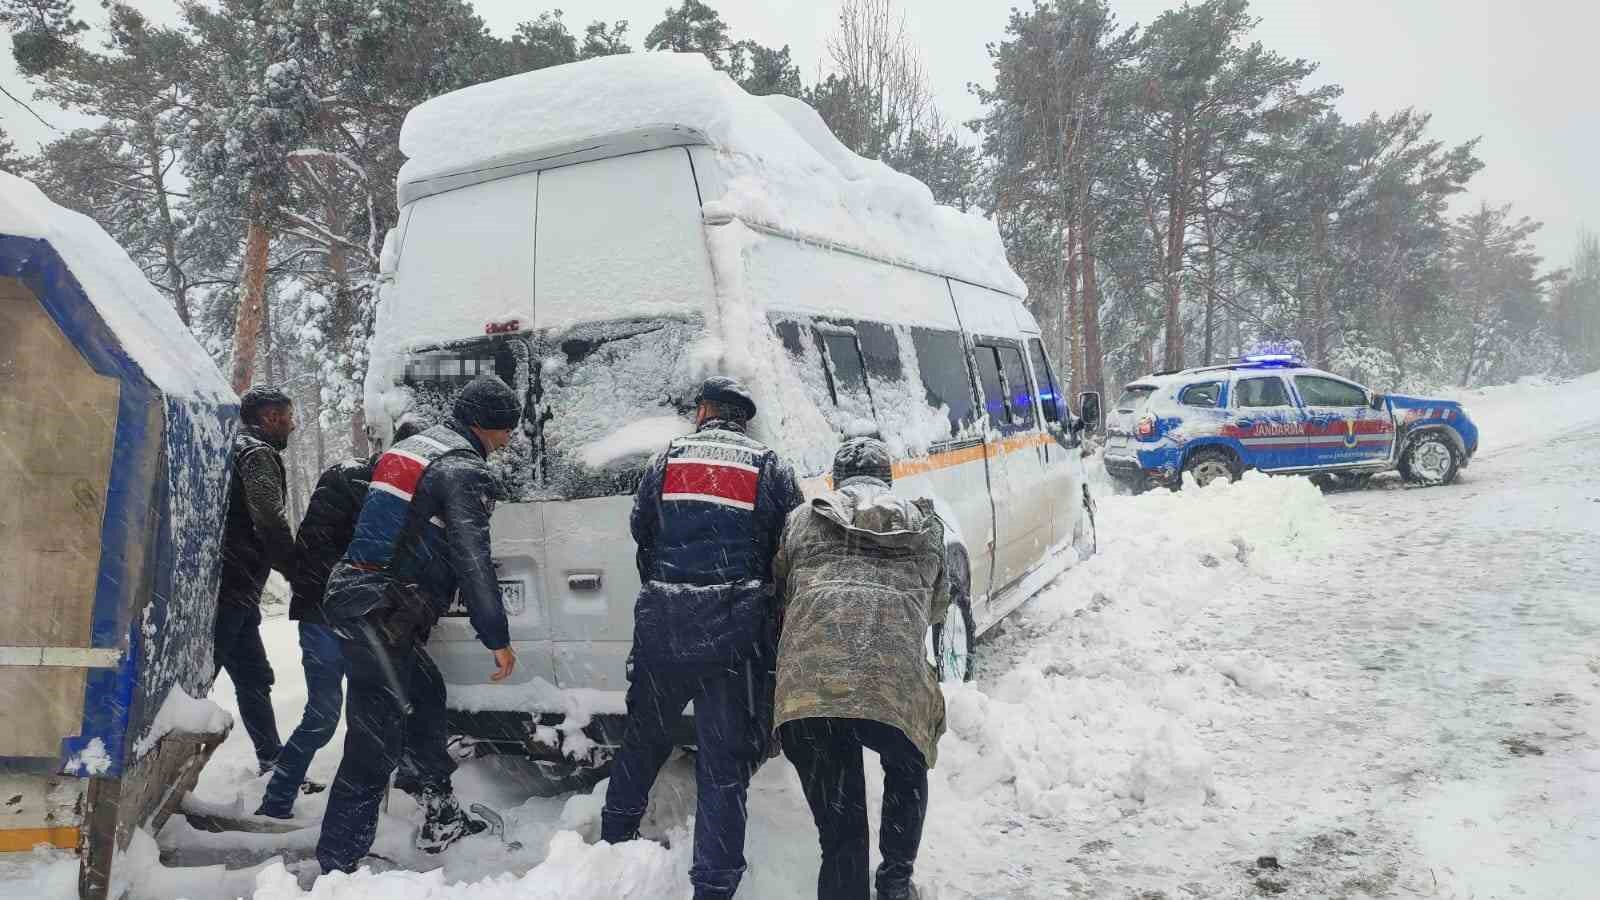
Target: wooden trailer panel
57 431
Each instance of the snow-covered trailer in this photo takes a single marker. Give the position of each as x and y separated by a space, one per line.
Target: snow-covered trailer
115 428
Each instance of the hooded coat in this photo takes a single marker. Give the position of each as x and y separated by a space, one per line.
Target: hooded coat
862 576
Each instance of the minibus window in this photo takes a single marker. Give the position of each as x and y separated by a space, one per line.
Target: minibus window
1020 392
789 334
1049 393
945 378
881 351
994 395
607 396
847 381
436 375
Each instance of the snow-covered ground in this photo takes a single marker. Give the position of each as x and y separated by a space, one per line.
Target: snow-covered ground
1388 692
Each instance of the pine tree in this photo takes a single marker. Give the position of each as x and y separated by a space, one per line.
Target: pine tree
122 172
254 106
692 27
1498 291
43 32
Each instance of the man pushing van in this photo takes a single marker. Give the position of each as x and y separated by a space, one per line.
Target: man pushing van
707 519
422 536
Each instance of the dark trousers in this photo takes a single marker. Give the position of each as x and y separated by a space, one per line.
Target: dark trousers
731 712
827 755
323 659
377 735
240 653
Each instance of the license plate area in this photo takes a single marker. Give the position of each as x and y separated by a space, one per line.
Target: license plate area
513 595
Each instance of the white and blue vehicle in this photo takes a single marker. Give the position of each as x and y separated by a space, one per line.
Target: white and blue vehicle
1276 414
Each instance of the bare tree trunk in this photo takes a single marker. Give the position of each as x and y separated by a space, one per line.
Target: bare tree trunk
252 306
169 241
1093 360
1074 317
1211 290
1319 288
321 436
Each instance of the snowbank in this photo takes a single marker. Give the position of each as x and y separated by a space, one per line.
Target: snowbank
1530 411
572 870
783 168
1106 711
143 320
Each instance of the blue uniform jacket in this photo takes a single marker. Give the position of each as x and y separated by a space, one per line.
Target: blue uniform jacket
707 519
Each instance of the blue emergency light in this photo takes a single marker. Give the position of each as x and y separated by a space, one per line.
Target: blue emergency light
1273 361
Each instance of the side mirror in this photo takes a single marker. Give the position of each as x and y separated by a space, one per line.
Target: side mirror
1377 400
1089 409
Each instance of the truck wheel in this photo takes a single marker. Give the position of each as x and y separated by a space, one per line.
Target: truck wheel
1209 465
1429 460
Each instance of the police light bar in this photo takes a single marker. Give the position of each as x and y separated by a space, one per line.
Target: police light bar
1273 360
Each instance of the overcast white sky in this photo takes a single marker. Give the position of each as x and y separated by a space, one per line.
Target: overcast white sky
1523 76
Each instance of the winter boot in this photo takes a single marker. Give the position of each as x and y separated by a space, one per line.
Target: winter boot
445 823
899 890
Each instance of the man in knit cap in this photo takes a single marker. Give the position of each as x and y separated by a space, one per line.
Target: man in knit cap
423 535
861 575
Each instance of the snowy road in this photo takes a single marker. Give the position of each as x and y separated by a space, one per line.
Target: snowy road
1422 714
1389 692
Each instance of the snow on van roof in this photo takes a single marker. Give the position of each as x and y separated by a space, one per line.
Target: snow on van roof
784 169
144 322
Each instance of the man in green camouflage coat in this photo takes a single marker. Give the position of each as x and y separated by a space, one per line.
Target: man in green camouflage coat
861 574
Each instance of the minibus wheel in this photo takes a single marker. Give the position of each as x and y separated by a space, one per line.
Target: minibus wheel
954 640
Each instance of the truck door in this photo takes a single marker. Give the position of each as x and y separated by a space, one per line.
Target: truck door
1269 425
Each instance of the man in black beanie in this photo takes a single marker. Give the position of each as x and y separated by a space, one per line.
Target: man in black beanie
423 536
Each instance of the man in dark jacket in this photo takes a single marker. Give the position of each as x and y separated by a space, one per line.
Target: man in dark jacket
423 536
320 542
863 575
706 519
255 539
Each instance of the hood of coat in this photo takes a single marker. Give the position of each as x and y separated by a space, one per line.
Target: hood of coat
871 512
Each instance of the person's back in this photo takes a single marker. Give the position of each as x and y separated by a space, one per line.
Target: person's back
707 519
320 542
707 525
860 568
861 574
422 538
256 539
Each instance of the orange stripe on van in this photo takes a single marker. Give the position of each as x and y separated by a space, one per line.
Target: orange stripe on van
945 459
17 840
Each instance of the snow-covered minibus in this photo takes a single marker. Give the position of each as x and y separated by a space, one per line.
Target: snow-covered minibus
605 234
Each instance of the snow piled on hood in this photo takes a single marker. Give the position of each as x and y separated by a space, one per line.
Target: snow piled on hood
783 168
144 322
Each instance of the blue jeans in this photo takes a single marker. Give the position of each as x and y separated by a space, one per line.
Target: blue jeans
380 736
731 712
240 653
323 659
